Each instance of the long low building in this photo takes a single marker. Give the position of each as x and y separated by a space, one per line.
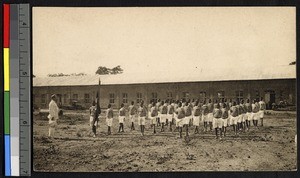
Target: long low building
274 86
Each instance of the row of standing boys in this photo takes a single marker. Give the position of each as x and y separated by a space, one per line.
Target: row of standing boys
182 114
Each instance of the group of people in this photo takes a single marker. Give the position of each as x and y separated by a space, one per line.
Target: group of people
182 114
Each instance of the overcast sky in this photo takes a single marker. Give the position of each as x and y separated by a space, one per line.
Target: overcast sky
150 40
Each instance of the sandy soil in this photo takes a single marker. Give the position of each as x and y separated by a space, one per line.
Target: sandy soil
271 147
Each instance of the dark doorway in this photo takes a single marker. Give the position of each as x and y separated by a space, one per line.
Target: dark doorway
269 98
59 99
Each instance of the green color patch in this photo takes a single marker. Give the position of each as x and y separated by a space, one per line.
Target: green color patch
6 113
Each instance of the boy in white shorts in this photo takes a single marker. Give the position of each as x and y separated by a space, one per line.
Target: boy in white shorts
210 114
132 112
229 105
109 118
261 112
255 109
153 116
121 118
239 120
180 117
163 116
175 115
196 115
234 117
248 108
224 118
149 109
243 115
158 104
205 116
191 104
142 117
170 114
217 120
188 114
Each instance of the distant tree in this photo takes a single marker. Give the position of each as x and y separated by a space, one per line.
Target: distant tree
106 71
117 70
103 70
293 63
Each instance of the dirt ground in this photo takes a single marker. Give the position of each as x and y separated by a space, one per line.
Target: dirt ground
271 147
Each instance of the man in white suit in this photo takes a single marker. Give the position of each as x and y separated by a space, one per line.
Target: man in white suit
53 115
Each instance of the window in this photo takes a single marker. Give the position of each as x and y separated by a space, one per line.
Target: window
257 95
139 97
154 97
111 98
239 95
75 97
86 98
43 98
221 94
125 97
65 98
169 95
186 95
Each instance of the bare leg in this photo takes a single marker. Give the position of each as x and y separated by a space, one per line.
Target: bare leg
196 130
222 131
108 130
94 130
120 127
143 129
50 131
235 129
187 129
180 132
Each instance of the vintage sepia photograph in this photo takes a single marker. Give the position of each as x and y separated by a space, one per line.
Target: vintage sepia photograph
162 89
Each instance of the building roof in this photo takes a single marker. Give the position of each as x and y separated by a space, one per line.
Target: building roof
200 75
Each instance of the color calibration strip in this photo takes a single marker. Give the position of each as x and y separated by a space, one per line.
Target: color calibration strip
17 74
6 36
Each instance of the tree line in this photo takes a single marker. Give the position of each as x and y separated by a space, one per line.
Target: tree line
102 70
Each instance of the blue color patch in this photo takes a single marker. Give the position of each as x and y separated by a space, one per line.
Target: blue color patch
7 155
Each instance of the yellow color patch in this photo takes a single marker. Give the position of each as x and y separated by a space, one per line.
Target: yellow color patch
6 68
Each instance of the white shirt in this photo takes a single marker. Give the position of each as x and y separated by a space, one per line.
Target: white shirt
53 110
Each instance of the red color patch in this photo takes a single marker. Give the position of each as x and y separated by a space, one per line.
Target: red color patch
6 25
